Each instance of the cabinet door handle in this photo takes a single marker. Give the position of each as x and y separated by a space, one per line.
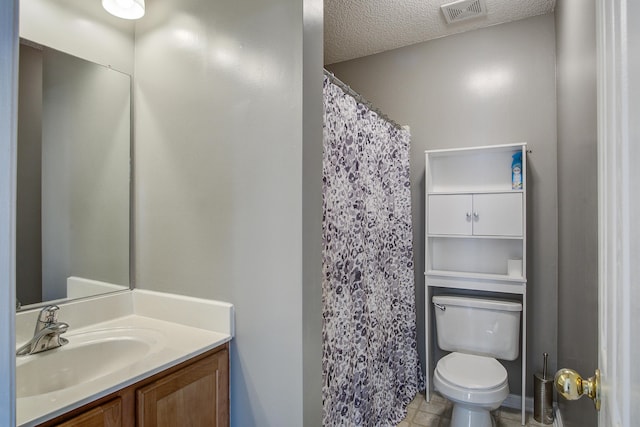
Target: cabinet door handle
475 215
468 216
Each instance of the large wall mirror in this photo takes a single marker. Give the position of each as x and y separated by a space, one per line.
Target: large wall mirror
73 177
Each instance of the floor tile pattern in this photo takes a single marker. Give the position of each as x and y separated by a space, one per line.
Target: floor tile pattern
437 413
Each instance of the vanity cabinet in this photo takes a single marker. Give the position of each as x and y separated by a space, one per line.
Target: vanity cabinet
475 226
194 393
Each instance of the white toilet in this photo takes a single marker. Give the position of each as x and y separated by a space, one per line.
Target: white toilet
476 331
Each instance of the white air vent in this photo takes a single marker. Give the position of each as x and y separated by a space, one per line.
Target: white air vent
462 10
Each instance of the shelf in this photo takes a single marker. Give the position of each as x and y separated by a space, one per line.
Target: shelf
471 170
474 224
467 236
479 276
473 150
477 282
471 191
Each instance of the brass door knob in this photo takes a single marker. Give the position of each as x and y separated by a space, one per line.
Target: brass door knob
572 386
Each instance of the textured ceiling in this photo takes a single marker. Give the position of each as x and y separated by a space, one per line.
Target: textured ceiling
355 28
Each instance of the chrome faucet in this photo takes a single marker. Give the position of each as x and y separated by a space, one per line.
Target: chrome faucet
46 335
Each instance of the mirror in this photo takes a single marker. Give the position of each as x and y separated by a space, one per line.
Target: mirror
73 177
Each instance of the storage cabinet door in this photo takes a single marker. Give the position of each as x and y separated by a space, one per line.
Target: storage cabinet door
196 396
450 214
497 214
106 415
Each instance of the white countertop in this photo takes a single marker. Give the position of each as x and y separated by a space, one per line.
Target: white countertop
189 327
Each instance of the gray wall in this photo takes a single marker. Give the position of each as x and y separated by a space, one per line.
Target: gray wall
491 86
578 199
85 173
312 211
219 184
29 178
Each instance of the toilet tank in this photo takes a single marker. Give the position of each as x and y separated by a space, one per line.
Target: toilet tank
480 326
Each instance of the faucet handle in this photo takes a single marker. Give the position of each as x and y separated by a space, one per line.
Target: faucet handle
49 314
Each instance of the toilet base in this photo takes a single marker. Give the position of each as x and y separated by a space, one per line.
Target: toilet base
471 416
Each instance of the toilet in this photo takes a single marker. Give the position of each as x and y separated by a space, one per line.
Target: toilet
476 331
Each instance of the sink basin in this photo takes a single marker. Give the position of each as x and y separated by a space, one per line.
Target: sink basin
87 357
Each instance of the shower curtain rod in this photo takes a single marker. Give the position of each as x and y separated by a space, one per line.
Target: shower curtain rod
359 98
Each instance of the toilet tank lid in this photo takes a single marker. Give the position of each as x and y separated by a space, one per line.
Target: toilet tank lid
489 304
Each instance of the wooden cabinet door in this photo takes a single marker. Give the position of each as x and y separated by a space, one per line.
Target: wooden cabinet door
497 214
450 214
106 415
197 395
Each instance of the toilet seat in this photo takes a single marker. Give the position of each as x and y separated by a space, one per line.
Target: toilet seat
471 371
471 379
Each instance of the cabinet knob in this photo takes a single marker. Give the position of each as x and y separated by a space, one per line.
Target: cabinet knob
468 215
475 215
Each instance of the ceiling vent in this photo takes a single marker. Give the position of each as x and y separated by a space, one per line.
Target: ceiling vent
462 10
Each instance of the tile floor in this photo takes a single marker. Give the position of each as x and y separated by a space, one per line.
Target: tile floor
437 413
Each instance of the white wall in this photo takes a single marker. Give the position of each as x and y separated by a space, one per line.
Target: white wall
80 28
218 182
490 86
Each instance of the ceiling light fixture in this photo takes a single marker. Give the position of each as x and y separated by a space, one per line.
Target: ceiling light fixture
126 9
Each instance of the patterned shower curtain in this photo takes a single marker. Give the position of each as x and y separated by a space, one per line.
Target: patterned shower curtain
370 361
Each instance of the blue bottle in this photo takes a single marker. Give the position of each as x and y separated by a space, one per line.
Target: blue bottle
516 171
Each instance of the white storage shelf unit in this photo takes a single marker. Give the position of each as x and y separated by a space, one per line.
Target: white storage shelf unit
475 223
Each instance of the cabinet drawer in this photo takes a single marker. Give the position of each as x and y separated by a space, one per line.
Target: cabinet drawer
106 415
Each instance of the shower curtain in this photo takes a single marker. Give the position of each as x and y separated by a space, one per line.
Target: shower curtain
370 361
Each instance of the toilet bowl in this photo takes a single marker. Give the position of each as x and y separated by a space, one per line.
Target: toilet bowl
475 384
